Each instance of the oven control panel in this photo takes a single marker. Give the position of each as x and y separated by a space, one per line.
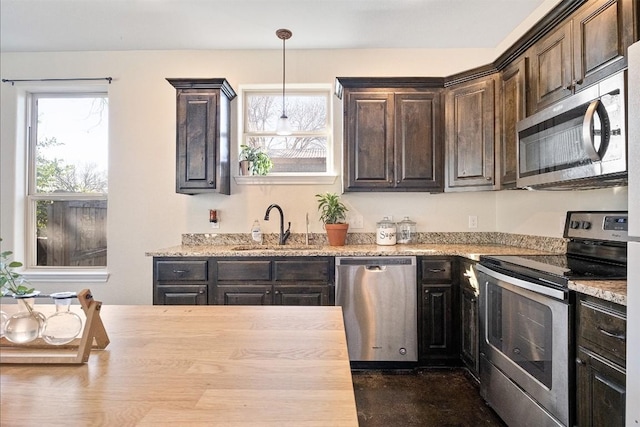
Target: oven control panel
597 225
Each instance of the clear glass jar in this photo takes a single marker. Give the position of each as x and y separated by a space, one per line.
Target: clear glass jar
26 325
4 318
406 231
386 232
64 325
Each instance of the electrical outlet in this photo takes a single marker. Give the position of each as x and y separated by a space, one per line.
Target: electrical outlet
473 221
356 221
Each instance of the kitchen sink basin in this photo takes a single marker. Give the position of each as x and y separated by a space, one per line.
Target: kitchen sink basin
259 248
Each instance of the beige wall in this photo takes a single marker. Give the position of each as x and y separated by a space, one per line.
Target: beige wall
145 213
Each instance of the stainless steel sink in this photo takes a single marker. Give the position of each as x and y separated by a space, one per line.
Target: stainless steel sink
259 248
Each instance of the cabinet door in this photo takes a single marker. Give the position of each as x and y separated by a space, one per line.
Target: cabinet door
369 140
513 109
196 139
601 391
180 295
470 133
469 328
437 322
551 71
244 294
602 32
418 141
302 295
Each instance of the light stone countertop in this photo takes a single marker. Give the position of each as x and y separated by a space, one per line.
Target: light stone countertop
608 290
471 251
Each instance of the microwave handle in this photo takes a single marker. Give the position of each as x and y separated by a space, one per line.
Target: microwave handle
588 143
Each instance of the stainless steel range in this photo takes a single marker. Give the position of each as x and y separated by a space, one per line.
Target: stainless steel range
525 319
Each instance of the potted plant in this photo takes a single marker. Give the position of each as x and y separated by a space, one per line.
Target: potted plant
254 161
333 215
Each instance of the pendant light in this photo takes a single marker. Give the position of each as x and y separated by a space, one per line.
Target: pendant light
283 127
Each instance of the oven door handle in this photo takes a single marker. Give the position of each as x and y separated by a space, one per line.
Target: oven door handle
533 287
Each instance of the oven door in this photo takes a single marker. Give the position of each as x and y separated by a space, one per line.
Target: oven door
524 350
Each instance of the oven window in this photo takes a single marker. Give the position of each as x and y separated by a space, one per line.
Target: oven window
522 330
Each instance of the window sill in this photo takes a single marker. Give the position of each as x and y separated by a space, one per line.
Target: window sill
285 179
66 276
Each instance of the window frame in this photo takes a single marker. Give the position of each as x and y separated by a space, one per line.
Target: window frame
34 272
285 178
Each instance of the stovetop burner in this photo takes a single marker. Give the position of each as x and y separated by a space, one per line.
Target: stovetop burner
597 250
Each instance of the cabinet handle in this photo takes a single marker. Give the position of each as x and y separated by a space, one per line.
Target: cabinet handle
580 361
179 271
437 270
621 337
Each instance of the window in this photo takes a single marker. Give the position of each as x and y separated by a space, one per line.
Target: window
308 150
67 182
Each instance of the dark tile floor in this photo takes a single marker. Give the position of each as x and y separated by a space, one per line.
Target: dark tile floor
423 397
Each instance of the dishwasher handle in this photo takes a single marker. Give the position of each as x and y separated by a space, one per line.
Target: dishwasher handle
377 261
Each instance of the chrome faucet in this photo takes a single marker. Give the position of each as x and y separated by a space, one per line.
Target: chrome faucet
284 235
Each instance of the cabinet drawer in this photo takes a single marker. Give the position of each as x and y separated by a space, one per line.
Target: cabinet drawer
302 270
436 270
181 270
244 270
602 329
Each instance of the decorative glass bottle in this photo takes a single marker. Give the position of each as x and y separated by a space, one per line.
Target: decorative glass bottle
4 317
26 325
64 325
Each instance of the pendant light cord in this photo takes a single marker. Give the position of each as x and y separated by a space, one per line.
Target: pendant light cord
283 74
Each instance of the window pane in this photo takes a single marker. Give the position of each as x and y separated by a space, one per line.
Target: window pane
71 233
294 154
305 150
71 148
306 112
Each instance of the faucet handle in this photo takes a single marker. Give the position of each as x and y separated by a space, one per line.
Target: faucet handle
289 227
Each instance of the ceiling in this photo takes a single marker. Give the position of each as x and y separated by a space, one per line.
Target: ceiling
102 25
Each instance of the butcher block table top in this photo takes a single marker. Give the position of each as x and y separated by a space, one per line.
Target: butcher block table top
195 365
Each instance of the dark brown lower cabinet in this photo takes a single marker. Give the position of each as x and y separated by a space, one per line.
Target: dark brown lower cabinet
436 336
600 363
601 391
273 295
180 295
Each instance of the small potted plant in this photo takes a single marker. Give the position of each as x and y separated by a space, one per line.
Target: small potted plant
333 215
254 161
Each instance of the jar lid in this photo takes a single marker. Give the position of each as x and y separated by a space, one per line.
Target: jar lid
386 222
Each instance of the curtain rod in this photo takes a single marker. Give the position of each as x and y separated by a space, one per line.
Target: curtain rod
13 82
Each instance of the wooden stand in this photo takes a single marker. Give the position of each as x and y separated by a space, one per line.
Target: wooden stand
76 352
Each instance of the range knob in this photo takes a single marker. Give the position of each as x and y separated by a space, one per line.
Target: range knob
574 224
585 225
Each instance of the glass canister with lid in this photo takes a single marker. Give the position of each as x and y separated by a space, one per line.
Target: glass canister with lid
386 232
406 231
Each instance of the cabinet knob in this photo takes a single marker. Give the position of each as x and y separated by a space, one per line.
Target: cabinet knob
580 361
267 292
201 291
577 82
210 182
277 292
489 178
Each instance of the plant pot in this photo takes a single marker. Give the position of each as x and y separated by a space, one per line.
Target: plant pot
336 233
245 168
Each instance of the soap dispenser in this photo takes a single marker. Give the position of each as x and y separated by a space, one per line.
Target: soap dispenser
256 233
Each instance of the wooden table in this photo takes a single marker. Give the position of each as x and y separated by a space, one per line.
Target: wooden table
195 365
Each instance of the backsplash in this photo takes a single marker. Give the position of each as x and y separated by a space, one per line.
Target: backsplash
550 244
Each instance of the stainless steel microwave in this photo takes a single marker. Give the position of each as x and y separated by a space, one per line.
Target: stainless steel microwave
577 143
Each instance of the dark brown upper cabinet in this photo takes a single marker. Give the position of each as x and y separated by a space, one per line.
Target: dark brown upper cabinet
470 131
512 110
393 134
203 127
581 51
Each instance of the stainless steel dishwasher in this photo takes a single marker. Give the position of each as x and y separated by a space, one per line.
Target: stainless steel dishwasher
378 296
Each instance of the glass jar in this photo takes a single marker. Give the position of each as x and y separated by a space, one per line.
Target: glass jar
386 232
64 325
26 325
406 231
4 317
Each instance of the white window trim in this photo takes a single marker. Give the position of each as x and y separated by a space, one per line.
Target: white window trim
50 274
328 177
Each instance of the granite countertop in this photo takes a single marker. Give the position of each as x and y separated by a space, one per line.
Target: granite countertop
471 251
608 290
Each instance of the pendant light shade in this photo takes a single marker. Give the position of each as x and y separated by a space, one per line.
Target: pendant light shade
283 127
